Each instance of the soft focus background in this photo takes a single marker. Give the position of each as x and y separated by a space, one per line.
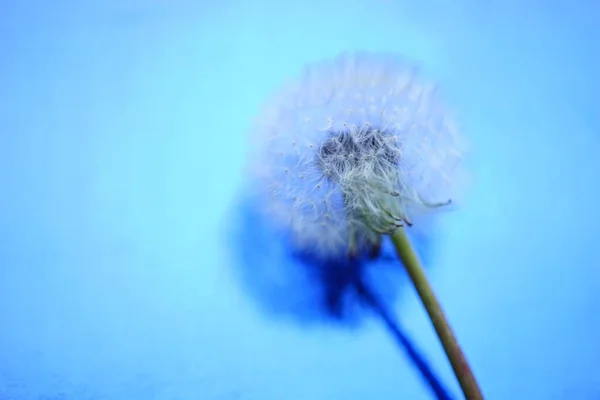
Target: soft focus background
122 136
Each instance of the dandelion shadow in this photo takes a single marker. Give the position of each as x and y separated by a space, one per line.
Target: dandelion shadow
302 289
406 344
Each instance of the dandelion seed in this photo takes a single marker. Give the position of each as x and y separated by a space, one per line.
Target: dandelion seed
398 158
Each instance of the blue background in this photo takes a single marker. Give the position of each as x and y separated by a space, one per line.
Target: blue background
122 138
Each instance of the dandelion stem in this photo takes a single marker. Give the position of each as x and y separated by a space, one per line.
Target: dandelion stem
457 359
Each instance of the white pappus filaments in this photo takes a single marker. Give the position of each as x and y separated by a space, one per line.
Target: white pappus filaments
355 148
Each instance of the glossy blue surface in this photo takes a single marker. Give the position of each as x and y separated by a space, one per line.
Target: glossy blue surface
122 138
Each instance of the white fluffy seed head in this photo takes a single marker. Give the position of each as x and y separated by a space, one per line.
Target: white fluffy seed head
355 147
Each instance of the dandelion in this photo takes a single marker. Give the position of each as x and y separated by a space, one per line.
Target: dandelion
356 147
359 147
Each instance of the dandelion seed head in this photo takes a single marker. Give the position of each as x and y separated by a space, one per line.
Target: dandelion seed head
355 147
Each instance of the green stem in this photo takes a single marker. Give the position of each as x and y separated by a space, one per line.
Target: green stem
459 363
